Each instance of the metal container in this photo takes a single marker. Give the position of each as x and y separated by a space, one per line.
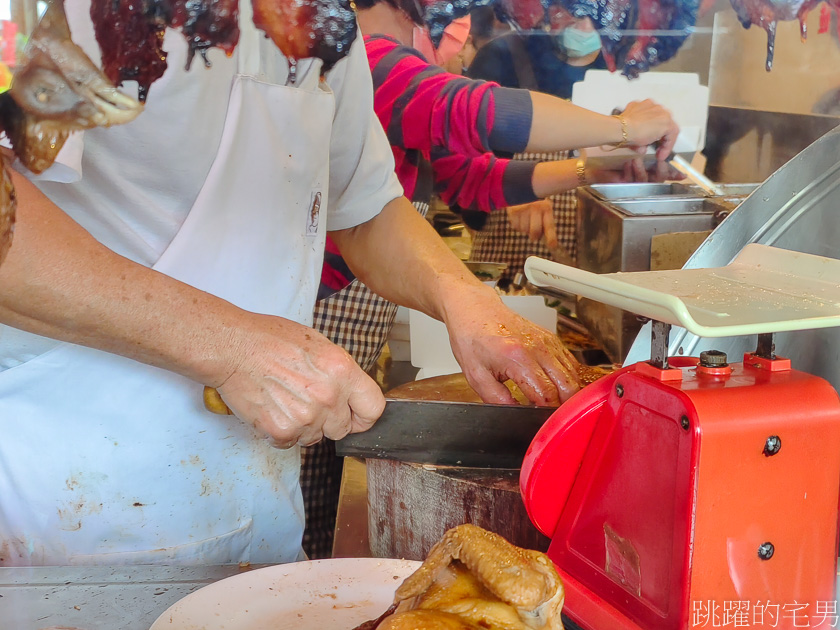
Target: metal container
729 190
641 190
617 235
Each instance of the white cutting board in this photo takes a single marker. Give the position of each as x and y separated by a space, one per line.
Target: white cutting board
680 92
763 290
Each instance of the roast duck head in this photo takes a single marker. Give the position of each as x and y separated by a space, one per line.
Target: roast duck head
56 89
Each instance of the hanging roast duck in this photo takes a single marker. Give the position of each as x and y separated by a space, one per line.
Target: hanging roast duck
56 89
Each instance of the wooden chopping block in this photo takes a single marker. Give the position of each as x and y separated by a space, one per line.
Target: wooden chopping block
410 506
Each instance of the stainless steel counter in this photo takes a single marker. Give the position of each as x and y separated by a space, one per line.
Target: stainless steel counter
97 598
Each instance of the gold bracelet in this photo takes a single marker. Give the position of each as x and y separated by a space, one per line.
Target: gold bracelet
624 136
580 169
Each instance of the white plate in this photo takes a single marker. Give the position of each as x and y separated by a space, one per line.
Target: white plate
337 594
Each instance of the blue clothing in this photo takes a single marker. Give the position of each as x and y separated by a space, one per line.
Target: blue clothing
496 61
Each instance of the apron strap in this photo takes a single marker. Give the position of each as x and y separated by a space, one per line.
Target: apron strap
248 49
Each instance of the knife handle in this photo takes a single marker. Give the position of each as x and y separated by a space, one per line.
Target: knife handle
213 402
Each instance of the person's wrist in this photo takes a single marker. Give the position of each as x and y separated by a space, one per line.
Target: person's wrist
624 131
580 171
453 293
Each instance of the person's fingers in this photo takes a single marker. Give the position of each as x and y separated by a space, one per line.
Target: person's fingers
515 219
638 169
563 371
535 227
550 230
366 402
668 141
281 444
535 383
335 427
489 389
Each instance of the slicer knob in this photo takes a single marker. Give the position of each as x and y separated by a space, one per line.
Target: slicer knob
713 359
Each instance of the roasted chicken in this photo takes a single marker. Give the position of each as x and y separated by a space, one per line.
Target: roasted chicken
55 90
473 579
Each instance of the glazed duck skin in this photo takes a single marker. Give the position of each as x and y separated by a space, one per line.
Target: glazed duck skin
130 38
130 34
767 13
8 206
324 29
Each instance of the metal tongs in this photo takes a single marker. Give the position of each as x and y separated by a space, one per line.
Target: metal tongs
706 184
684 167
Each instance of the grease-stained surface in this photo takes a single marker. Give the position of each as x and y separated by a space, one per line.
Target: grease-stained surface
304 595
97 598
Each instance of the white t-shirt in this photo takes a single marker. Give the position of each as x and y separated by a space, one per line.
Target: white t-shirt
132 186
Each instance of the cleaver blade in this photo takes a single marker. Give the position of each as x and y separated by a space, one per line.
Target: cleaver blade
472 435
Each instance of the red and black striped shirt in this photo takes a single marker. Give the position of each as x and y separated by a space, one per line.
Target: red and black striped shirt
445 131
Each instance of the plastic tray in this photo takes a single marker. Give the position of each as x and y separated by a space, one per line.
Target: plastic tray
764 289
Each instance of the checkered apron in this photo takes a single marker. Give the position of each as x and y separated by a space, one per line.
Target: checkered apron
359 321
498 242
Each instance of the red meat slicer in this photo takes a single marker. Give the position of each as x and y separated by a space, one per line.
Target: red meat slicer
693 492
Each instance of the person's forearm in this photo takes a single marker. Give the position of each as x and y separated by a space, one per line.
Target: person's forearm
423 276
553 178
60 282
558 125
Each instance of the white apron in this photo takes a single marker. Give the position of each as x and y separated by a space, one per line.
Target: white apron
107 461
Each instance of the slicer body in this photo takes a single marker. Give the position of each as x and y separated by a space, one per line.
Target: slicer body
685 493
661 496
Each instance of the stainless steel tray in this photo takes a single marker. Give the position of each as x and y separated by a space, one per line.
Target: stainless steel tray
729 190
638 190
666 206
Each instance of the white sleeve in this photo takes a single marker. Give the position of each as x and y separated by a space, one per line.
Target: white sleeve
362 178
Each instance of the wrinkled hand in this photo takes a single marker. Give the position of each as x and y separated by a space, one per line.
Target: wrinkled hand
296 386
535 220
494 344
649 123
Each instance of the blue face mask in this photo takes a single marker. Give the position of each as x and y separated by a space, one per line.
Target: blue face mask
580 43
